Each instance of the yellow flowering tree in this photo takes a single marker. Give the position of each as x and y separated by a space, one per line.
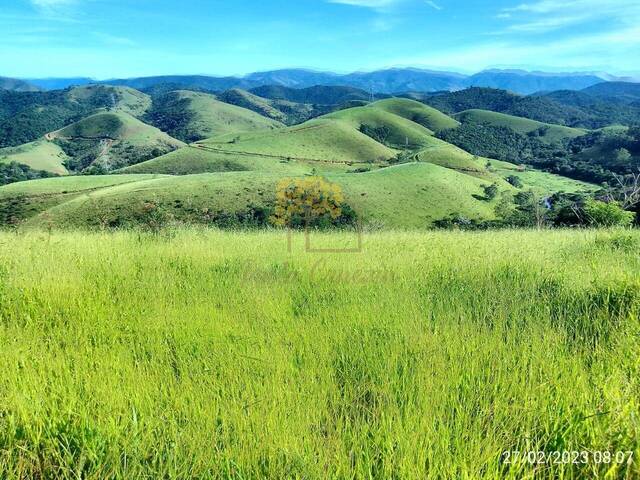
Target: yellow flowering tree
307 202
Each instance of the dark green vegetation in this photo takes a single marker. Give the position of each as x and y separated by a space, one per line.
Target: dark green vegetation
569 108
208 354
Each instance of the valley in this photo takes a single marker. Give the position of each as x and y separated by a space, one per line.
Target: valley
401 162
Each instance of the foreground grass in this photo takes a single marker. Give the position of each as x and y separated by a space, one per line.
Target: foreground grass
202 354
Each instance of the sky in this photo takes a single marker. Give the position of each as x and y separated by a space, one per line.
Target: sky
106 39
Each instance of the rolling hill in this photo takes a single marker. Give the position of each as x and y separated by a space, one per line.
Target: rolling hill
27 116
322 140
192 116
111 139
544 131
417 112
624 91
38 155
318 95
124 99
398 131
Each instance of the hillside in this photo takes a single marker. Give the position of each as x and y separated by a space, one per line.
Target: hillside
546 132
123 99
16 85
318 95
192 116
285 111
385 127
245 99
417 112
27 116
111 139
324 140
38 155
623 91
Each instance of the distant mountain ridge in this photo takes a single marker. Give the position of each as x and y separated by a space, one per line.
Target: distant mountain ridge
16 85
389 81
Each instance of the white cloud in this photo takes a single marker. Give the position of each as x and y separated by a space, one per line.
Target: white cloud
433 4
613 51
51 4
368 3
546 15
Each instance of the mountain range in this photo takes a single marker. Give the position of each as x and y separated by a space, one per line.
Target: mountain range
389 81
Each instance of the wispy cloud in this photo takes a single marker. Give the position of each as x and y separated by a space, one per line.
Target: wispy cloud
52 4
433 4
114 40
600 50
546 15
376 4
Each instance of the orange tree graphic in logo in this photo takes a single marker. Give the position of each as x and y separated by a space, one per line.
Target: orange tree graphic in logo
311 202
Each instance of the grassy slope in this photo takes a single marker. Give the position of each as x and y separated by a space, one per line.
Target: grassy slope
401 129
39 155
40 195
543 182
125 99
116 125
521 125
409 195
207 354
193 159
417 112
248 100
323 139
213 117
118 138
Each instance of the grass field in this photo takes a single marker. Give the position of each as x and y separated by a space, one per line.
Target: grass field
553 133
202 354
39 155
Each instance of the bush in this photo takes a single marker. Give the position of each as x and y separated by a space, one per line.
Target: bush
603 214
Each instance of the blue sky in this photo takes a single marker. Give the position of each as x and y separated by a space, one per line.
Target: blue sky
124 38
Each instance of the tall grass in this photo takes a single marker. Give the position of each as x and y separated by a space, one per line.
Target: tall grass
204 354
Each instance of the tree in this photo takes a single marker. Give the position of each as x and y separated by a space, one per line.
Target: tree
626 191
307 202
607 214
491 191
515 181
622 156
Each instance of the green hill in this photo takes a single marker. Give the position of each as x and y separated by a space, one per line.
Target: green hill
285 111
245 99
194 159
34 197
544 131
192 116
399 132
324 140
417 112
39 155
111 140
124 99
409 195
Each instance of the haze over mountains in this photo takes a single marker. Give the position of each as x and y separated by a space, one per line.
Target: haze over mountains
395 80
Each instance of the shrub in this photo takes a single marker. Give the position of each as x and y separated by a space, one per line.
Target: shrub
607 214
